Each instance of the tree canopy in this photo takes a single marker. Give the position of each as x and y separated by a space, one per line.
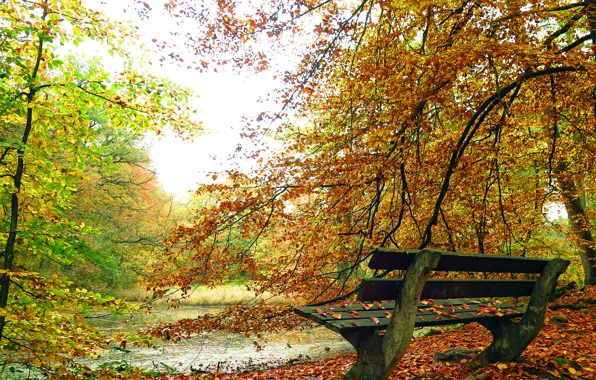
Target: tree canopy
451 124
447 124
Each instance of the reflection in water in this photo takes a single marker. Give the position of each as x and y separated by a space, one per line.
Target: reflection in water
139 321
217 350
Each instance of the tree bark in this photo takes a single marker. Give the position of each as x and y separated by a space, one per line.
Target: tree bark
9 248
580 226
378 356
510 339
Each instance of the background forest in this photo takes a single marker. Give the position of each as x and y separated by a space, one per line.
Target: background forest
458 125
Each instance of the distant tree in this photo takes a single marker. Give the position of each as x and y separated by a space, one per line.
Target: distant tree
125 235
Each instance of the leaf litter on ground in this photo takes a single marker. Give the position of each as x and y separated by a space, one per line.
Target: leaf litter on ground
564 349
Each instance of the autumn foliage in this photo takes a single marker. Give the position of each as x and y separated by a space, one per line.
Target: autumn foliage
447 124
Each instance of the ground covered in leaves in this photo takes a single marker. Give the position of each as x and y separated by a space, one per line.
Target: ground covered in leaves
565 349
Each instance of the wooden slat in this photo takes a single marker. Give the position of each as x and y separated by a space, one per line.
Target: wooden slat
343 326
306 311
392 259
431 310
310 311
427 310
387 289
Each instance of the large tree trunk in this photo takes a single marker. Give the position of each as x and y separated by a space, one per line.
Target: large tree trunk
575 207
580 226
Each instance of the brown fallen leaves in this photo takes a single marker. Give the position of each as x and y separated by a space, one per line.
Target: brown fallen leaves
563 350
237 318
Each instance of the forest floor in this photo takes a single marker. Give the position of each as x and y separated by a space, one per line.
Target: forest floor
564 349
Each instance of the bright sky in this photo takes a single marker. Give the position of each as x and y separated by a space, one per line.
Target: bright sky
223 99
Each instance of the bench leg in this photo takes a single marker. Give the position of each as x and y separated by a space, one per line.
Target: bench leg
506 345
370 362
510 339
378 356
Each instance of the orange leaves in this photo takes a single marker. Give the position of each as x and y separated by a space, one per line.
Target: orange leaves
335 315
387 127
354 313
307 90
366 165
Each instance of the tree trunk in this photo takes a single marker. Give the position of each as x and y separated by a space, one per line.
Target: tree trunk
378 356
9 248
580 226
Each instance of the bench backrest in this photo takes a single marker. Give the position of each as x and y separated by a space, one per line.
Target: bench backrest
391 259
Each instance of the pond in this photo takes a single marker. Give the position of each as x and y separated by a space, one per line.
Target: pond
215 350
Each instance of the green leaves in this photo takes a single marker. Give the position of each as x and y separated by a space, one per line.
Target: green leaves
59 117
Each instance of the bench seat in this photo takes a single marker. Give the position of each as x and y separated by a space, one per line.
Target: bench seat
377 315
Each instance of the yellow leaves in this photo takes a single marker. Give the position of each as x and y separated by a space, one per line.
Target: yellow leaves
501 366
52 326
17 274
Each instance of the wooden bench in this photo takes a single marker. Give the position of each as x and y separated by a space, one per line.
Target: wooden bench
446 301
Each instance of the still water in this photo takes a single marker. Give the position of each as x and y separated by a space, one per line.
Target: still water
216 350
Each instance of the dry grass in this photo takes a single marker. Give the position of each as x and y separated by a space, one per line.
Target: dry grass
203 296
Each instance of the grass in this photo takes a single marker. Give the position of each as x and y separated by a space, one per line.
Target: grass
230 294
